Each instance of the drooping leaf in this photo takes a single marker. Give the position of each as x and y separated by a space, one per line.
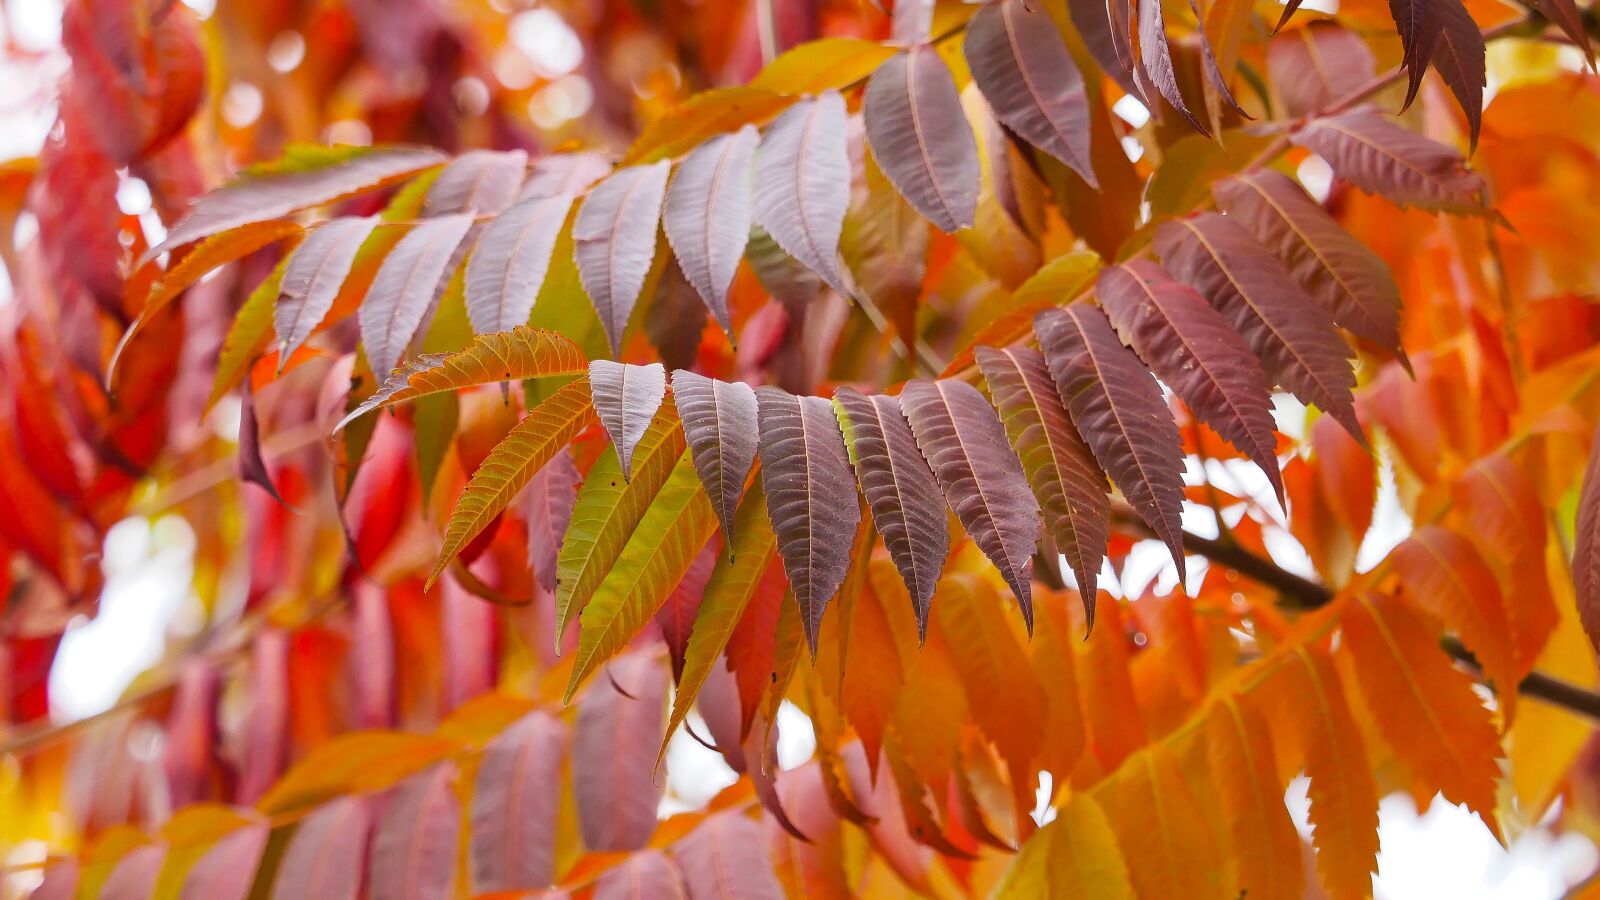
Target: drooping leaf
707 215
414 844
1566 16
1460 59
516 796
676 616
726 858
612 776
547 504
1265 846
1032 85
252 467
312 278
404 288
1156 58
1161 828
902 494
821 65
507 356
1106 29
1367 149
1586 547
802 184
509 263
513 462
608 509
1316 65
1117 407
359 762
663 546
1507 520
482 182
1294 338
719 423
921 138
811 497
1349 280
326 176
646 875
1076 854
1193 350
962 438
615 241
626 398
1061 469
1424 707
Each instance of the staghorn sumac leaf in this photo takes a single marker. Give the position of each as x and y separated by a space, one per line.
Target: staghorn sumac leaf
1161 828
1445 576
414 842
1106 29
811 497
547 504
817 66
669 536
1566 16
614 239
482 182
1586 547
606 512
227 870
960 435
1507 520
734 582
701 117
902 495
1265 845
646 875
319 176
252 468
1192 349
675 618
707 215
1117 407
719 424
564 173
516 799
1026 73
911 22
1316 65
513 462
1424 706
921 138
312 278
508 264
1156 58
1076 852
510 356
619 722
626 398
1345 277
1460 59
726 858
358 762
1294 338
1366 148
405 286
327 854
1061 469
802 184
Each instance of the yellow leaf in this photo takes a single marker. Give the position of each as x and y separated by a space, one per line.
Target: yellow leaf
1075 855
703 116
1265 846
1161 828
247 336
512 464
514 355
677 524
355 763
816 66
191 833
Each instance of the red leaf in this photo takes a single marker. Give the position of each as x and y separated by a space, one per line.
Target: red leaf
325 856
707 215
802 184
228 870
726 857
414 847
1314 66
676 616
547 503
516 799
1156 58
921 138
626 398
647 875
1460 59
1367 149
615 242
719 423
252 467
1106 30
613 753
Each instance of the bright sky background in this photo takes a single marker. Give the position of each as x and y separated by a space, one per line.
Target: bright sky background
1447 853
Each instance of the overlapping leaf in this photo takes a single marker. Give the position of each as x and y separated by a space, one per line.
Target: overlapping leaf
707 215
509 467
312 278
547 506
414 844
1292 336
1367 149
1117 406
962 438
902 495
921 138
811 497
626 398
1314 66
719 423
1586 547
726 858
618 727
615 241
405 286
1155 56
509 263
1192 349
483 182
515 806
802 184
1265 845
1161 828
564 173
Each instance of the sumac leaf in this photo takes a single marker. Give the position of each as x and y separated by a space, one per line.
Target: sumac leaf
921 138
564 173
903 497
1156 58
1022 66
1117 406
509 263
802 184
961 437
516 802
612 776
626 398
1191 348
719 424
707 215
312 277
1314 66
646 875
615 241
1586 547
547 505
405 286
726 858
414 845
1460 59
1366 148
1294 338
479 181
811 497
